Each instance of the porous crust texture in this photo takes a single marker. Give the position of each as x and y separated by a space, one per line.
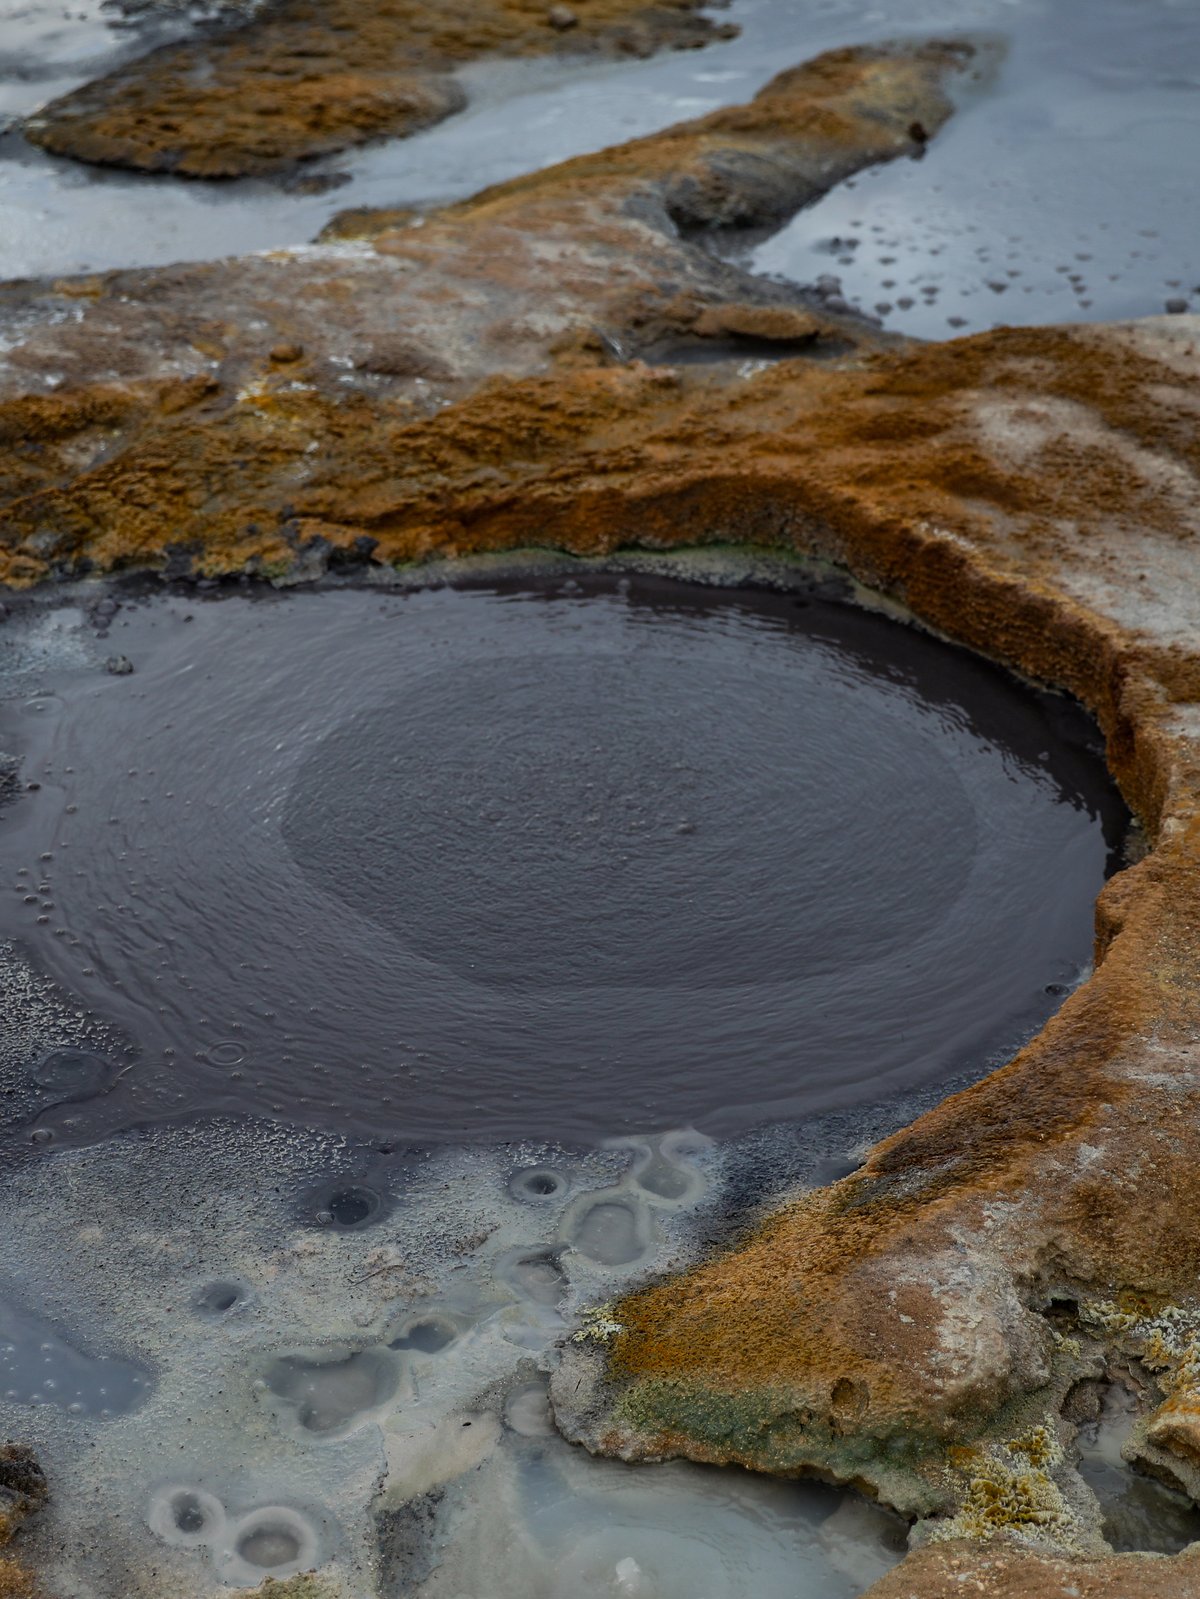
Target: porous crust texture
22 1492
509 373
966 1572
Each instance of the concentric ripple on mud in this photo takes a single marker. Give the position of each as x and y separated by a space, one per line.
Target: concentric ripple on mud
557 858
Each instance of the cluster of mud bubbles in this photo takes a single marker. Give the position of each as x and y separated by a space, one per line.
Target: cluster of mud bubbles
264 1352
273 1307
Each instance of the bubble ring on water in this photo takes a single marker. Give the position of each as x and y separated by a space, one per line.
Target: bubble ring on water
275 1541
185 1516
228 1052
539 1185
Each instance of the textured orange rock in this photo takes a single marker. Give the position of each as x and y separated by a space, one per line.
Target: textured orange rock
957 1572
124 399
307 77
459 386
22 1493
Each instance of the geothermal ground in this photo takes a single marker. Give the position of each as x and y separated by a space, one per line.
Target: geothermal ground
600 944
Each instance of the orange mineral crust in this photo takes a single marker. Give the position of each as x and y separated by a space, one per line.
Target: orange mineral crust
302 79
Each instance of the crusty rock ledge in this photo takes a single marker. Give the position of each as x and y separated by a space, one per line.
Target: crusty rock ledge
22 1494
365 386
470 381
957 1571
304 78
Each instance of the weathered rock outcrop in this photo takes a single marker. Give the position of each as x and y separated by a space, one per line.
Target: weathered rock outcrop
950 1571
432 387
22 1493
346 379
917 1326
303 78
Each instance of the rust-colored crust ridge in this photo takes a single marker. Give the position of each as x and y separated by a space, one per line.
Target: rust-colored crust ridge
305 78
370 387
509 373
952 1571
23 1491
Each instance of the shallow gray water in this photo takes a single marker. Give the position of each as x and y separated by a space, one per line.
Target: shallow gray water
559 859
369 1398
1061 194
1078 160
1139 1511
38 1366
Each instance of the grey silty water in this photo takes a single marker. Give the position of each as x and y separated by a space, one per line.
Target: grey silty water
1062 191
564 860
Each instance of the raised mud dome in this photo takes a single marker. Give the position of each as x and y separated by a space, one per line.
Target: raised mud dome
555 858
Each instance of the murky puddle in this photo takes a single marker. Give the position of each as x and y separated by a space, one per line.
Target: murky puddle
537 860
396 976
1139 1511
1061 192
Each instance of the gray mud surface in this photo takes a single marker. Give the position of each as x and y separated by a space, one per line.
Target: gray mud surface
367 1397
564 859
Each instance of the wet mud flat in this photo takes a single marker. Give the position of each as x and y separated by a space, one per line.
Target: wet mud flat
280 1384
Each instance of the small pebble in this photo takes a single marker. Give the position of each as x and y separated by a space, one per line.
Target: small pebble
562 18
1176 305
119 665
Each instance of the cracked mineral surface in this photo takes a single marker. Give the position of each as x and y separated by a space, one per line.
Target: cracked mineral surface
943 1325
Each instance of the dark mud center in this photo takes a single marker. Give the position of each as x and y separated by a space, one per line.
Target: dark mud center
552 858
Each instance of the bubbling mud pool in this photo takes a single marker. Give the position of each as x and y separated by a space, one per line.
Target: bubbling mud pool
539 864
560 857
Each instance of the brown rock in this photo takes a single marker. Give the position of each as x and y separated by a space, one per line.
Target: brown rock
957 1571
304 78
528 278
366 222
22 1493
781 324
